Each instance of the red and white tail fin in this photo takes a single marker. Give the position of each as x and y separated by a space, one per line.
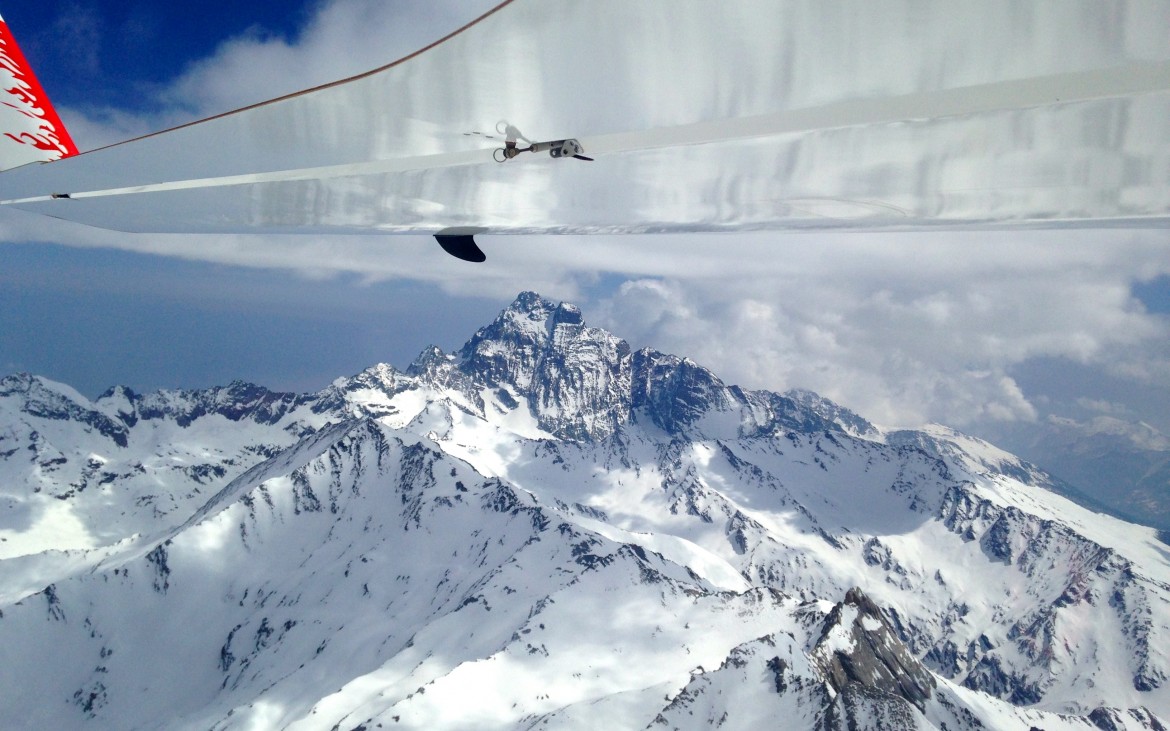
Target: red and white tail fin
30 130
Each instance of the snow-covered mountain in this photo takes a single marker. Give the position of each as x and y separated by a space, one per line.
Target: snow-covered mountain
548 529
1123 465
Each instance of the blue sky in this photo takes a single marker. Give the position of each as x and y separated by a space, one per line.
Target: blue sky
109 52
973 330
95 317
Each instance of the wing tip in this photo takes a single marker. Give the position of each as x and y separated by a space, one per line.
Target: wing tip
30 128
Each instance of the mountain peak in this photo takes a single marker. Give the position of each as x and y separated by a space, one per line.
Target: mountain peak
584 383
122 393
566 526
40 387
46 399
429 361
567 314
859 646
533 317
528 302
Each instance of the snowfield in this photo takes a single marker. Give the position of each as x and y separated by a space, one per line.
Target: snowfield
549 530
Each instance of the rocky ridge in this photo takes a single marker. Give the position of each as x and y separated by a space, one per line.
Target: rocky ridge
513 516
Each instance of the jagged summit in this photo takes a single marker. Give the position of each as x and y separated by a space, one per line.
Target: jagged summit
548 529
585 383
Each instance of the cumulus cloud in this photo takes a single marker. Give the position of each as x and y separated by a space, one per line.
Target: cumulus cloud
341 39
905 328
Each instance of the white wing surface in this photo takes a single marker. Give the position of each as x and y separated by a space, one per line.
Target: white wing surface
700 116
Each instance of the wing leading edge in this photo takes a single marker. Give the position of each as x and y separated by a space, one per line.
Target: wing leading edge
849 115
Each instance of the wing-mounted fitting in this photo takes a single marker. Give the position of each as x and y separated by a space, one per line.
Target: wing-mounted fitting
555 148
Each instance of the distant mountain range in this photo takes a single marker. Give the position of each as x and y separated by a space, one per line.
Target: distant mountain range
1114 465
550 530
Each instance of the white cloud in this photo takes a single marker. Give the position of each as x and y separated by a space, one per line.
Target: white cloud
907 328
343 38
903 327
1101 406
1138 434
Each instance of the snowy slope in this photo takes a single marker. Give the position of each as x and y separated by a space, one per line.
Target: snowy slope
549 529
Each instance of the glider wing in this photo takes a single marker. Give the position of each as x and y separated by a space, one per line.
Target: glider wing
755 115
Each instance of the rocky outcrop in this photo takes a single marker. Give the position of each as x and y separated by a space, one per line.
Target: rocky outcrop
39 398
544 457
863 659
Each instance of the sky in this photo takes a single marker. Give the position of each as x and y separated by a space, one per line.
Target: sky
978 330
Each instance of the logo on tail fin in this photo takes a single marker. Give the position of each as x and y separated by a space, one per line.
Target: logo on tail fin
31 129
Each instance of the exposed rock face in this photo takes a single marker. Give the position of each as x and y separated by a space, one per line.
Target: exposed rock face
860 708
1114 719
575 379
858 647
584 383
551 530
1093 575
39 400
